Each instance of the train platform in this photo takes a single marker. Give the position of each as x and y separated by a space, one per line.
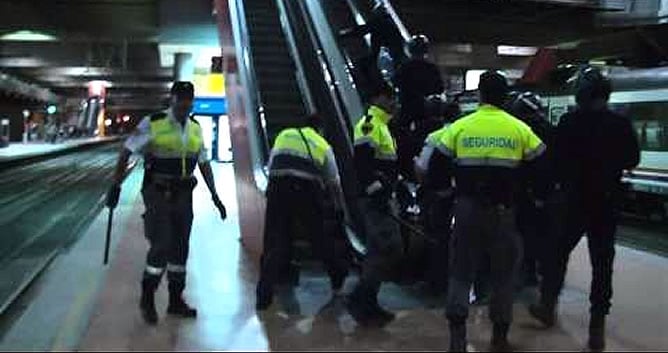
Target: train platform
18 151
81 305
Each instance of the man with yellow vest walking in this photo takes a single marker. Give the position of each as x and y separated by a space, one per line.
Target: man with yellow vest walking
172 144
377 171
485 150
302 173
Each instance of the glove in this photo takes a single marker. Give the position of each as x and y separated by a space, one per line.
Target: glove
220 206
113 195
374 187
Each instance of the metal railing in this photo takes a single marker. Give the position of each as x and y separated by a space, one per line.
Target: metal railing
254 106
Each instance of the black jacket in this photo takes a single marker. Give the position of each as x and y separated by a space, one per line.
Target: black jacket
592 148
416 79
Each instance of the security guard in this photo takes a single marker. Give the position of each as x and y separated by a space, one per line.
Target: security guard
593 146
172 144
302 173
485 148
376 166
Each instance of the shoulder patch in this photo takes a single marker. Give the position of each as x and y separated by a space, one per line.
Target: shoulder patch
158 116
192 118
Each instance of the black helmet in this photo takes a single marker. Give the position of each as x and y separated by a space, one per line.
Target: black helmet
493 88
591 86
526 104
183 89
418 46
434 105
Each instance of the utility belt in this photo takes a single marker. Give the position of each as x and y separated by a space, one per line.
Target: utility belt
501 200
167 185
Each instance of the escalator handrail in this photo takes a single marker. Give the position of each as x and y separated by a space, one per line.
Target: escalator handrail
247 67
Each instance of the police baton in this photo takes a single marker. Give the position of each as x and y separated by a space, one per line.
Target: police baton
106 245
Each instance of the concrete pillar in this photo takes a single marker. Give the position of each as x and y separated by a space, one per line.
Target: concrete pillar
184 67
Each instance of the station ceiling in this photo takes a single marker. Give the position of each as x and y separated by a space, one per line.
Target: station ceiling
126 41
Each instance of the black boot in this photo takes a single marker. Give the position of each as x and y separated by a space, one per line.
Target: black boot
176 304
544 312
364 308
500 338
597 333
263 296
458 336
147 302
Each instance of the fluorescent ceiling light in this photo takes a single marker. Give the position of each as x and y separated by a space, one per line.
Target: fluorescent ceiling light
510 50
28 36
472 79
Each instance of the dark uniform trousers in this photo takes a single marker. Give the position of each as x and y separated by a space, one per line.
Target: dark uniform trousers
167 223
437 206
597 217
384 247
483 228
294 203
531 223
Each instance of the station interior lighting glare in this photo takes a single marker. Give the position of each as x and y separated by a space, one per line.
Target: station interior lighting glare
472 79
107 122
51 109
26 113
126 118
28 36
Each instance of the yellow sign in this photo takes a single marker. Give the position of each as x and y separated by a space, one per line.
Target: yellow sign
209 85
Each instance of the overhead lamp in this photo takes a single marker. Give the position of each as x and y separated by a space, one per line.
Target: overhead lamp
510 50
51 109
28 36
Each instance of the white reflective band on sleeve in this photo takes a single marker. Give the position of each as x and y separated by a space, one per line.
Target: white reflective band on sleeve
535 153
156 271
446 151
176 268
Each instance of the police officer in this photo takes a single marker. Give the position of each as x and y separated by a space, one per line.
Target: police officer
302 171
485 148
538 185
593 146
416 79
172 144
436 196
376 166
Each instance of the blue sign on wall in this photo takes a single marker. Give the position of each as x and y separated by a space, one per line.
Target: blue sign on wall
209 106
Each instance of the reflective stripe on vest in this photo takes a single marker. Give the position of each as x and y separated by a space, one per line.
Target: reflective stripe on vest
171 153
490 137
291 156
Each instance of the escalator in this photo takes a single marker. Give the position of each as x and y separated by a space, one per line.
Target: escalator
296 65
280 96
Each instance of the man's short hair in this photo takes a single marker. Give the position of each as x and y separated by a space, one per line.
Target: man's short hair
183 89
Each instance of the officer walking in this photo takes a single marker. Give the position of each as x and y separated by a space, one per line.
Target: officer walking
593 146
172 144
486 148
302 172
376 165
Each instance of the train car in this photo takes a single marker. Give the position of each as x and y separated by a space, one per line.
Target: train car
647 185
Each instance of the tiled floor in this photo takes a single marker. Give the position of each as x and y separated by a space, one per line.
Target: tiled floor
221 285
